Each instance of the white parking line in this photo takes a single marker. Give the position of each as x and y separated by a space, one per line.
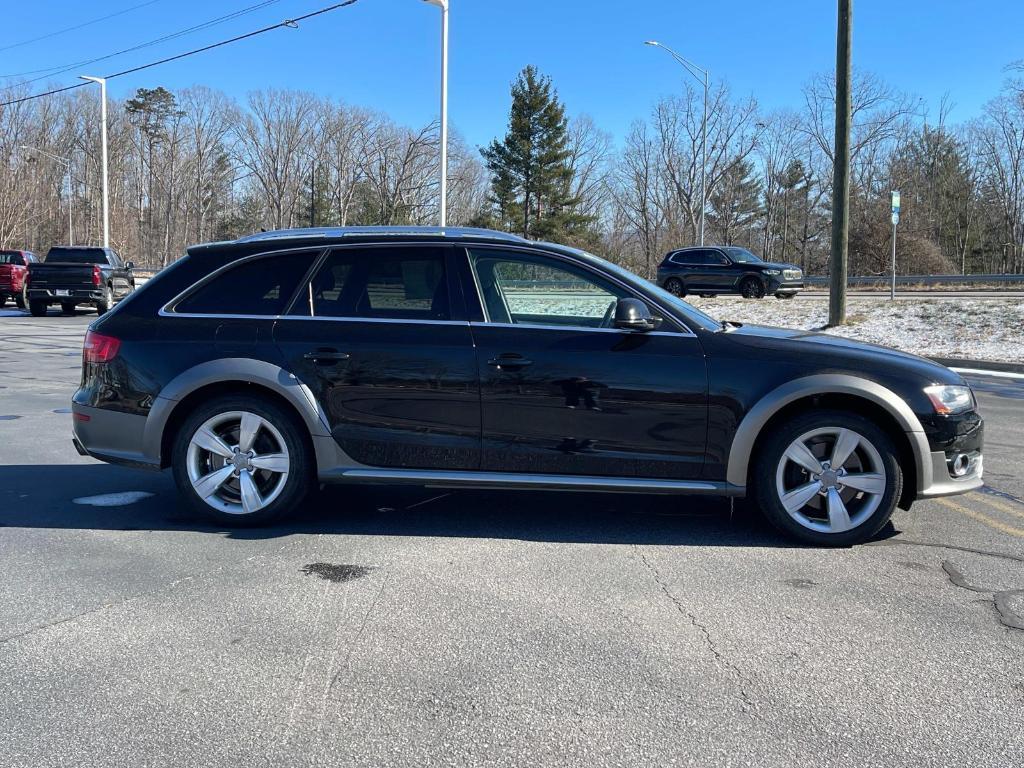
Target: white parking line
998 374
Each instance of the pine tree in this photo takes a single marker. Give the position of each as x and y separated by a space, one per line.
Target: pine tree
531 176
735 201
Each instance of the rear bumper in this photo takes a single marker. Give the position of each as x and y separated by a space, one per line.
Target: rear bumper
78 294
111 436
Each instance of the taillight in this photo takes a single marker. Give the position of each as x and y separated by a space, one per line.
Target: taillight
99 348
97 276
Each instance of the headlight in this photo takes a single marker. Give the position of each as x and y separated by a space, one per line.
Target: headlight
947 398
772 271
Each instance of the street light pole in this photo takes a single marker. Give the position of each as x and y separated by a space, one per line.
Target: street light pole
103 134
443 5
704 75
71 191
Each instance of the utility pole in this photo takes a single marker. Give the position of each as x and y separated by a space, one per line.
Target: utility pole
841 169
895 221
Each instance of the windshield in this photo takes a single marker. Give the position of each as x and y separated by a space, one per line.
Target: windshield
76 256
743 256
688 311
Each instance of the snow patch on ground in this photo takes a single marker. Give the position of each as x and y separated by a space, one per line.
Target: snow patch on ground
971 329
113 499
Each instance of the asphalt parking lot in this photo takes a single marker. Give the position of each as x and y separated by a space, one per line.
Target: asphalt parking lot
417 627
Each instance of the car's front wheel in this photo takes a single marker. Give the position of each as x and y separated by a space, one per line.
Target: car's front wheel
37 308
242 460
828 477
751 288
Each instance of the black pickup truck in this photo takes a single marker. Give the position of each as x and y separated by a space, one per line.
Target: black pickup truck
72 275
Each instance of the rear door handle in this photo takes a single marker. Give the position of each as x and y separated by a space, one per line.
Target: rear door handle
326 356
509 360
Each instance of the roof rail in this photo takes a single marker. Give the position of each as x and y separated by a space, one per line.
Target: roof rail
389 231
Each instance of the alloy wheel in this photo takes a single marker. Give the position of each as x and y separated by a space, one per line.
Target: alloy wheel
830 480
674 286
238 462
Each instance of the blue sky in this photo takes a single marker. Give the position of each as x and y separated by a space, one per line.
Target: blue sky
384 53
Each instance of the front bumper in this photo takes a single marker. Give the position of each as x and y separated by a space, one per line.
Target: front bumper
81 295
952 438
785 286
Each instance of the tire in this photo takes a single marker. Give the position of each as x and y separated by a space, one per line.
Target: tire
68 307
3 300
199 459
785 296
675 286
845 515
751 288
104 304
37 308
20 301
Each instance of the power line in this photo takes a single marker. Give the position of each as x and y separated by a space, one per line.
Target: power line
285 23
62 68
78 26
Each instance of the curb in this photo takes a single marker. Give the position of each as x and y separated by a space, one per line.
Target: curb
988 365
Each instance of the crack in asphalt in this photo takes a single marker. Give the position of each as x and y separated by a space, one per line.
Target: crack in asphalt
971 550
1001 598
749 706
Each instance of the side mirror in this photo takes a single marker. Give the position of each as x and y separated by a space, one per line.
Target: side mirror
633 315
129 265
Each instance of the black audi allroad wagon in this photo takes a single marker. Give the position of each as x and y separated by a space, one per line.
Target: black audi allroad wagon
258 368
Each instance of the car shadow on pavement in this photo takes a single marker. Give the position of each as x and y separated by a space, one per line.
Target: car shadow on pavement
45 497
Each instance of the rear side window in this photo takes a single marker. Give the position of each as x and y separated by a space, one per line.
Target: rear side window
686 257
389 283
261 286
12 258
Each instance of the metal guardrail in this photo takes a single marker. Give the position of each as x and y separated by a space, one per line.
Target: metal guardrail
884 280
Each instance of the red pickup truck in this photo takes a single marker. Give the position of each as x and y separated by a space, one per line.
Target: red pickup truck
13 269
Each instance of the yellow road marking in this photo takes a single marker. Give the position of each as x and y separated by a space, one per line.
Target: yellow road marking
991 522
1002 506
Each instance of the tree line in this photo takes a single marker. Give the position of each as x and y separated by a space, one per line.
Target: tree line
197 165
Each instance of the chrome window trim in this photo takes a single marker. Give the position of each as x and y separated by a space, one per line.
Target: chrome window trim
631 290
582 328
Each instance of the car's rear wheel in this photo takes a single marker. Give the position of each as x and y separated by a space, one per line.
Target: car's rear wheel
20 300
242 460
67 307
37 308
751 288
828 477
785 295
675 286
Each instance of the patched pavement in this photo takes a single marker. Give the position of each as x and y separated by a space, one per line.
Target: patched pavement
419 627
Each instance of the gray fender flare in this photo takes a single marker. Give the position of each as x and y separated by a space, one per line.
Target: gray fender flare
827 383
235 369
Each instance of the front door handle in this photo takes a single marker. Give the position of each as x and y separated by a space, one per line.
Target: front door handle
327 356
509 361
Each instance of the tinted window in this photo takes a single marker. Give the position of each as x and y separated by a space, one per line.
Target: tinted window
11 258
389 283
687 257
77 256
261 286
522 288
743 256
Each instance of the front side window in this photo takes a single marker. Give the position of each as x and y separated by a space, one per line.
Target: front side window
386 283
537 290
743 256
262 286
